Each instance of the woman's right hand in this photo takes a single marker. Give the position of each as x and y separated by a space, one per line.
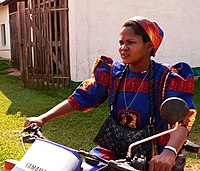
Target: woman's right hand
33 120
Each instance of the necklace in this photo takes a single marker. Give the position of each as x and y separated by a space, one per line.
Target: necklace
124 93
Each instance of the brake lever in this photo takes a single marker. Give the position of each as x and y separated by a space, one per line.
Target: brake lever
29 139
191 147
34 130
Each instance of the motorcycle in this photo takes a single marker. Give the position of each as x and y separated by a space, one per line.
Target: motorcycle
45 155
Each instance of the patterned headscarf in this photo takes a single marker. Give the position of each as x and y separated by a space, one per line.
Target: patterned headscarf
153 30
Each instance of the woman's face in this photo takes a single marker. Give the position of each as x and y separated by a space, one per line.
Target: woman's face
132 48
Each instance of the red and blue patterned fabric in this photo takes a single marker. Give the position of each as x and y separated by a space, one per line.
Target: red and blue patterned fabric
177 80
153 30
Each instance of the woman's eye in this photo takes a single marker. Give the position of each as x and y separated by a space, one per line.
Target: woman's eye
131 42
121 43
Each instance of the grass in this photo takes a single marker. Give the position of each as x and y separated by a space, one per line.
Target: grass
75 131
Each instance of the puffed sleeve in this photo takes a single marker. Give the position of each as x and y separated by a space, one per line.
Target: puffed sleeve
181 84
94 91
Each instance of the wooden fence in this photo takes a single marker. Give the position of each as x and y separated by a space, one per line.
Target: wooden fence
39 33
14 43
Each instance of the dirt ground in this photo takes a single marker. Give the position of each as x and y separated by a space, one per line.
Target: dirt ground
13 71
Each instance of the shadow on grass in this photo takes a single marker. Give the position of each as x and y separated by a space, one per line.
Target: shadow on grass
30 102
75 131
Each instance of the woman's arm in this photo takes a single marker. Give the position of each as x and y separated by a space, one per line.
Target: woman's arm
166 160
63 108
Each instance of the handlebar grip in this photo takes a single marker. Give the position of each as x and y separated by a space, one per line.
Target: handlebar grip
191 147
29 139
28 129
180 162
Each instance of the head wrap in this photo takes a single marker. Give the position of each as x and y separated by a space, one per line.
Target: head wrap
153 30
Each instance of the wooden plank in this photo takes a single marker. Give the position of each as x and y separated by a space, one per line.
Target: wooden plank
47 62
20 26
35 81
29 40
66 61
14 41
61 22
50 43
39 36
55 38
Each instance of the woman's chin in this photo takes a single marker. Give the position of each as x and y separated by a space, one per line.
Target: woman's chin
125 61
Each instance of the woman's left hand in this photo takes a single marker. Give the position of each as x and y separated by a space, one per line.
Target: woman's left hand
163 162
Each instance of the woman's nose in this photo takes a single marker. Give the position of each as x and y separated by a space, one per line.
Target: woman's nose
124 47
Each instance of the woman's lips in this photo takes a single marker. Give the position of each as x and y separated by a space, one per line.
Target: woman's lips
124 55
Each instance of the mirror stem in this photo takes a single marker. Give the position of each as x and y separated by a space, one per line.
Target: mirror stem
151 138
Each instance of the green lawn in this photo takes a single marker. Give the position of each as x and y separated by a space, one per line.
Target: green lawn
75 131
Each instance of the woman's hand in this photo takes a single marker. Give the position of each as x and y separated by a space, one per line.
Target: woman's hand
33 120
163 162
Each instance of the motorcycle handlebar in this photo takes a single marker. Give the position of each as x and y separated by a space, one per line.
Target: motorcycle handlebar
34 132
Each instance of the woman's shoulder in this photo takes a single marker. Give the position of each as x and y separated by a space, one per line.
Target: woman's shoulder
107 63
183 69
102 63
162 66
180 68
103 60
161 70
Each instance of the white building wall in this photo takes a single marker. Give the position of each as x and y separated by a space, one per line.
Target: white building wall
4 19
94 28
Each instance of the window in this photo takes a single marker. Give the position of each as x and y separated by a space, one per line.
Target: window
3 34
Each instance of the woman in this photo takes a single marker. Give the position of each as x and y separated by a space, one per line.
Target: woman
139 40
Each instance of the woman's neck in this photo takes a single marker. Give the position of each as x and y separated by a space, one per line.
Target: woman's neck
143 68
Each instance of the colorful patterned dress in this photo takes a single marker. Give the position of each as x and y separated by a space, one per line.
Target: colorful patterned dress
176 80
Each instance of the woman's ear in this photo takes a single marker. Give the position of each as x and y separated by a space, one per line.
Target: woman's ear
150 47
